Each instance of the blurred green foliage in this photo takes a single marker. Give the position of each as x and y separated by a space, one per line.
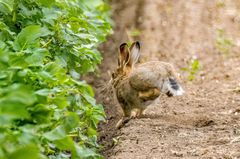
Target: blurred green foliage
46 111
193 68
223 43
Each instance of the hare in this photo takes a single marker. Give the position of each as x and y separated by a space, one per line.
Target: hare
137 85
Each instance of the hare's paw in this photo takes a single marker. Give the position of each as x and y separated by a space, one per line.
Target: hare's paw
135 113
119 123
122 122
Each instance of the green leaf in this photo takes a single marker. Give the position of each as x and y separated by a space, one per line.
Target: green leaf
195 65
84 152
15 101
65 143
26 152
71 121
20 93
37 58
43 92
54 69
60 101
40 113
17 61
91 131
5 28
47 3
56 134
27 37
89 99
6 6
46 76
8 110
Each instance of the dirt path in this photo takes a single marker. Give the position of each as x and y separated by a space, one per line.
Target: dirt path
205 122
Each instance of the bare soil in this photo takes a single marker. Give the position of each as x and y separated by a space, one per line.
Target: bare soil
205 122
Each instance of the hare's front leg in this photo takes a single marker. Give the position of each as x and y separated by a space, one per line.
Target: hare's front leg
126 115
134 113
122 122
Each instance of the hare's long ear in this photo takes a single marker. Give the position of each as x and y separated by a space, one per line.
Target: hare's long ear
134 53
123 56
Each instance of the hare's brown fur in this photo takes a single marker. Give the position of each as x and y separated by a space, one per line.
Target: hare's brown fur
138 85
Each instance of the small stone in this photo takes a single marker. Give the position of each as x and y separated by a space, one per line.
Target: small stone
176 153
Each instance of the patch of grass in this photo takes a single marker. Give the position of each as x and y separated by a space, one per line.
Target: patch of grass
223 44
133 33
220 4
193 68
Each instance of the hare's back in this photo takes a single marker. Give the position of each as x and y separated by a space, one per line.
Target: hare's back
150 75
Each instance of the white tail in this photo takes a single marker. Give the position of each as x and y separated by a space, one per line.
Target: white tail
172 88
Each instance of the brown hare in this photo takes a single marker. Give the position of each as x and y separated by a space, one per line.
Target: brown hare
138 85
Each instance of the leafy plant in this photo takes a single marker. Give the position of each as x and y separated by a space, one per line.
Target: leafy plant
46 111
135 32
193 68
223 44
132 33
220 4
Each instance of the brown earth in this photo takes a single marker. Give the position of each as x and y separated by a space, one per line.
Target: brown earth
205 122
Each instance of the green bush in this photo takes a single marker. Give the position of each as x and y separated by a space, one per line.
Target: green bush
45 47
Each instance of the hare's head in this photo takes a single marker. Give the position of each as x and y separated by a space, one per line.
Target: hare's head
127 58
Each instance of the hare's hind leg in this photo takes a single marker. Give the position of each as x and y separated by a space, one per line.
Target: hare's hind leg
149 94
